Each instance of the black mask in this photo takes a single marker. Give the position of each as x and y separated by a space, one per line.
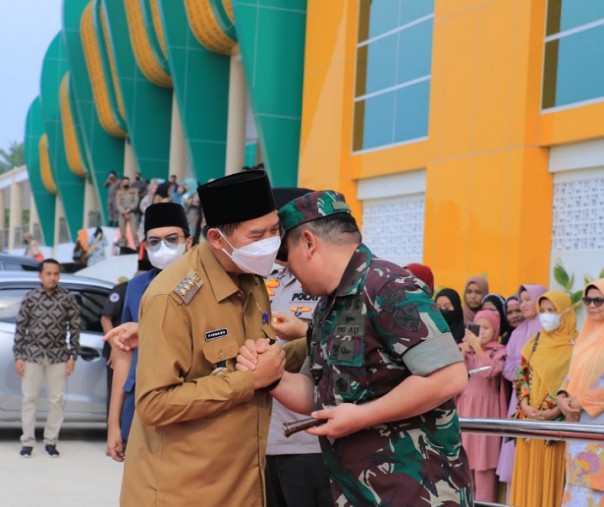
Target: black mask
126 187
449 315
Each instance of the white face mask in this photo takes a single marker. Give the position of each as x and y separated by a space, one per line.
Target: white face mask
165 255
256 258
549 321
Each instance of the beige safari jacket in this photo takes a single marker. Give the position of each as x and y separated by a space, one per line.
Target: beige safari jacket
197 439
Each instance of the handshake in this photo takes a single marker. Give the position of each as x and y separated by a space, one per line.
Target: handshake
266 362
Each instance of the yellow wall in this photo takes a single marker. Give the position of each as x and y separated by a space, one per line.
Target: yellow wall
489 194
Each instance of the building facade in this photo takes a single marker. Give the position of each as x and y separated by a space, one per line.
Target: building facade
467 135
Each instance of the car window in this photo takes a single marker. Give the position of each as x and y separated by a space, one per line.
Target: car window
12 266
91 305
10 302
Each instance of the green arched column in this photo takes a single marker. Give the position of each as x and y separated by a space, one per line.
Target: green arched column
201 83
271 35
45 201
102 152
148 106
70 186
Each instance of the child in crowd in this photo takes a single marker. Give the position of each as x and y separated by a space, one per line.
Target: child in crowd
484 397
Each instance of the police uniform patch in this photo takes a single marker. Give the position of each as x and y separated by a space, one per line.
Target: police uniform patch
114 297
216 333
188 286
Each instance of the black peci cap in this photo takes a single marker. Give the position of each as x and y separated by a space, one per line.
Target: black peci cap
166 214
236 198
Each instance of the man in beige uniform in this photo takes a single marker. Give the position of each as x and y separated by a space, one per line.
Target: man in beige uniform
127 206
200 429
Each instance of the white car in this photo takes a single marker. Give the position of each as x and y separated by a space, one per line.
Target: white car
86 391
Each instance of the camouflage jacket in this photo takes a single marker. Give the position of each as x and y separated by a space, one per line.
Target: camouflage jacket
377 329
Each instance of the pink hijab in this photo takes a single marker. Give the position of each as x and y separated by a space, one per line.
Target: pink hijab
518 339
481 281
493 319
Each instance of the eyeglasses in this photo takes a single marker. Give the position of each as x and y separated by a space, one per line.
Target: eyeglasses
171 241
587 301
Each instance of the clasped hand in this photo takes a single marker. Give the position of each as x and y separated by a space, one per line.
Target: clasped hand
569 408
265 362
342 420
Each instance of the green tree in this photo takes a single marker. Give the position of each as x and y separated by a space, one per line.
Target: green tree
14 157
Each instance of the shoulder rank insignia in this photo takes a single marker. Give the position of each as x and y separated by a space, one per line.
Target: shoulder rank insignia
188 286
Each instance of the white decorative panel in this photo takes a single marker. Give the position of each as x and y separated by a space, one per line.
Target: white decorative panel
578 215
394 228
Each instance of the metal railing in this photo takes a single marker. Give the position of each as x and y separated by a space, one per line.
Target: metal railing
545 430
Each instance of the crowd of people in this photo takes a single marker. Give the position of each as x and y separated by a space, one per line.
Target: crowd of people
526 344
127 201
381 360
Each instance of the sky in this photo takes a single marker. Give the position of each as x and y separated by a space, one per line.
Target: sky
28 28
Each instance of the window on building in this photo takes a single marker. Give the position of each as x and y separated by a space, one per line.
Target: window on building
393 215
394 60
574 51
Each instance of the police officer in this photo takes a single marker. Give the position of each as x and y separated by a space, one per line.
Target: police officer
383 367
127 206
199 433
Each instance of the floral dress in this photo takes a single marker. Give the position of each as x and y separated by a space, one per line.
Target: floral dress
585 459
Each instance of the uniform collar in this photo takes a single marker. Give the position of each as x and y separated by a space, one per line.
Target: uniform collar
222 284
355 273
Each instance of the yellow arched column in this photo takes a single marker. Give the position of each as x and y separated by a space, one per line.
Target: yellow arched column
72 147
45 167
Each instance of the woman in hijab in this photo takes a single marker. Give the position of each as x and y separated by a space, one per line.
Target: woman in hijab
582 399
96 247
423 273
528 294
80 249
496 303
538 477
484 397
513 312
476 288
449 304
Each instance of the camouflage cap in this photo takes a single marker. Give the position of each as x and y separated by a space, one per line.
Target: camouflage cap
310 207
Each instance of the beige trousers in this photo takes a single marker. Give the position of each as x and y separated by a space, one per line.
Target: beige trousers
30 388
133 220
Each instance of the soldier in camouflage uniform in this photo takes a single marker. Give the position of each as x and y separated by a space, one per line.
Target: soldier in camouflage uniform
382 363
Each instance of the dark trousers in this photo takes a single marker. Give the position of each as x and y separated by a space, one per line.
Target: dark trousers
297 480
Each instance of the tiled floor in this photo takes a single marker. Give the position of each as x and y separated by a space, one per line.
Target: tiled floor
82 476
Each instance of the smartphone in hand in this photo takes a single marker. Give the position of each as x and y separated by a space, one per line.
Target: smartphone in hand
474 328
